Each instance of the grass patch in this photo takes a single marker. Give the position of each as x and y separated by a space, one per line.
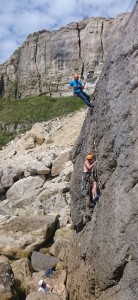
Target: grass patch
5 138
37 109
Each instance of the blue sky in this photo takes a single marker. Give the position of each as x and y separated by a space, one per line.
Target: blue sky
19 18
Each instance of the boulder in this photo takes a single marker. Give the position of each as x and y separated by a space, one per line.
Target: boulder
52 188
65 217
37 167
11 174
38 133
63 233
41 296
22 270
54 203
67 171
29 142
59 162
4 215
42 261
4 259
21 235
47 158
53 196
28 202
21 188
59 248
28 161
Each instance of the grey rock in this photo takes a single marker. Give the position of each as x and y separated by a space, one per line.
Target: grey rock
41 296
6 281
4 215
21 188
9 175
51 188
105 252
64 218
59 162
42 261
55 203
37 167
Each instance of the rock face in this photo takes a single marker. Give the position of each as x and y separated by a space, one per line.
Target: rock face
46 61
102 261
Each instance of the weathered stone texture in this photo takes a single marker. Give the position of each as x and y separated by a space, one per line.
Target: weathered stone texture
20 236
46 61
42 261
103 258
6 281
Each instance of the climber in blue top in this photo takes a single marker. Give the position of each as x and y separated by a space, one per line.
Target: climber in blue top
78 87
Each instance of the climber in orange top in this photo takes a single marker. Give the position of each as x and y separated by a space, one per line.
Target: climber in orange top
87 174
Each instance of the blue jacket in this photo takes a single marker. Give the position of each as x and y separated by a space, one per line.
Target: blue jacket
76 86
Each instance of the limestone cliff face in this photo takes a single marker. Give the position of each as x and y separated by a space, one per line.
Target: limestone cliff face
103 257
47 60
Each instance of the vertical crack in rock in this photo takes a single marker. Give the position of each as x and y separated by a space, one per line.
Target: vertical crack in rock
101 37
79 40
38 73
1 85
45 55
16 65
82 71
16 93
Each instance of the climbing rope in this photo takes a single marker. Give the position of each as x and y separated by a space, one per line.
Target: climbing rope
96 157
129 6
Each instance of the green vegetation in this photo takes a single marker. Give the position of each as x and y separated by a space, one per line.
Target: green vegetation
35 109
5 138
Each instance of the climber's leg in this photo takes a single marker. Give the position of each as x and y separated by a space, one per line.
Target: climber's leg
94 189
85 98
